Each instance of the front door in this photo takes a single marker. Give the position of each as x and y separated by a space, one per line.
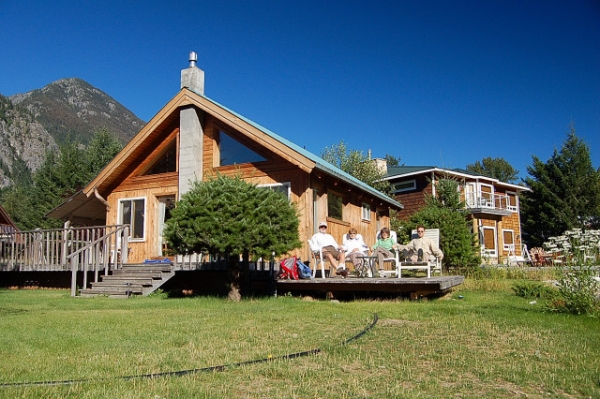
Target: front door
165 204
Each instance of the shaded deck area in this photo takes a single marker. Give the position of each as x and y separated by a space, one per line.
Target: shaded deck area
336 287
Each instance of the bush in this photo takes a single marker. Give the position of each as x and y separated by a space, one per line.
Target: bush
535 289
579 293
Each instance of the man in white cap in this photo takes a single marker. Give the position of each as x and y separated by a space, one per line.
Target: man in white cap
331 250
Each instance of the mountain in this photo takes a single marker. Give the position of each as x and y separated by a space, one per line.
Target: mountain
72 109
63 111
23 142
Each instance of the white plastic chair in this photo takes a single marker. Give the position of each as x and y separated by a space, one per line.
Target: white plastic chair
317 257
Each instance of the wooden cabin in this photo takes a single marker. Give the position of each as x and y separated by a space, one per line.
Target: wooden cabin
492 206
194 137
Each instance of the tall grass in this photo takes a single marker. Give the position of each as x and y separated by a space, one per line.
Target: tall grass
490 343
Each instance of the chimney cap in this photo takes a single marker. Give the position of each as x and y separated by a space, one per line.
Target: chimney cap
193 58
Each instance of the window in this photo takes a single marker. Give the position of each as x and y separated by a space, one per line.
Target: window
366 211
489 241
232 152
283 188
335 205
167 162
132 212
404 186
511 199
508 236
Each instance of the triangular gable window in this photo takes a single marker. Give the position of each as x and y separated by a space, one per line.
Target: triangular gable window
166 162
233 152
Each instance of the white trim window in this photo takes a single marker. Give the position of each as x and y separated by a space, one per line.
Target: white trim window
283 188
508 240
366 211
406 185
512 201
488 238
132 211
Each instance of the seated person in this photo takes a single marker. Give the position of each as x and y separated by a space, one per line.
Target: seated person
421 249
331 250
355 247
383 247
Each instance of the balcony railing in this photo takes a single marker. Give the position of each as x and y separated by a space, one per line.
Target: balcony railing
484 201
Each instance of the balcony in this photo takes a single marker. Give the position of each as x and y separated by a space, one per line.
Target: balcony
488 204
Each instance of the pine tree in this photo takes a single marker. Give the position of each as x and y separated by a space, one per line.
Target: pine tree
228 216
566 192
446 212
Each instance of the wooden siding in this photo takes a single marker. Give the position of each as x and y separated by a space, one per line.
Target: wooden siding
414 200
278 168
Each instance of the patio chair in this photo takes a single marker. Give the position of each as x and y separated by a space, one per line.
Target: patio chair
317 259
430 267
393 259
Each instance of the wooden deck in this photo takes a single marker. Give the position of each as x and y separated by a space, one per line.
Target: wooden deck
413 287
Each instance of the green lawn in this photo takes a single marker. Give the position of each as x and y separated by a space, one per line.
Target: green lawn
489 344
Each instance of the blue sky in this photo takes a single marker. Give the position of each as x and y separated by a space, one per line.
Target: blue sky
442 83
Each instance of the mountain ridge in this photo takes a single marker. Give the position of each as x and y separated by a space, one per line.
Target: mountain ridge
66 110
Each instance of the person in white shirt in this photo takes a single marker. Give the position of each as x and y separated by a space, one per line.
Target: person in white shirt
355 247
331 250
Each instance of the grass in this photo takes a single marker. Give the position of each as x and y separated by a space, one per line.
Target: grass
490 343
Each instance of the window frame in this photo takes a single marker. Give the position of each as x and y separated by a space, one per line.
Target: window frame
412 183
366 212
336 195
272 186
505 246
133 224
509 207
218 160
493 252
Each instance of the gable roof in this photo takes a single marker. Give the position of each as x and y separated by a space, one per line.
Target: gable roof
397 172
293 153
6 223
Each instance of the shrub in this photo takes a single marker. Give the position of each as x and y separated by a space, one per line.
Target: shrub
535 289
579 293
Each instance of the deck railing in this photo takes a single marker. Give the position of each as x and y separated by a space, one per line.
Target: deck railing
54 249
486 200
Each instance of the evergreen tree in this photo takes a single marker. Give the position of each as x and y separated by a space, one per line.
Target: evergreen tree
103 147
228 216
566 192
446 212
61 175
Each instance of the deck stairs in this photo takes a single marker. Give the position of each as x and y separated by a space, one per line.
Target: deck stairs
131 280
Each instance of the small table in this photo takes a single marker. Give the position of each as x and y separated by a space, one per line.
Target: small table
367 265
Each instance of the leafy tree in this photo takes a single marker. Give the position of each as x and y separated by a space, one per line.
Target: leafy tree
497 168
228 216
446 212
566 192
392 160
356 164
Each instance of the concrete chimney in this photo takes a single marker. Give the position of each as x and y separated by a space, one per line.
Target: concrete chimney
191 132
193 77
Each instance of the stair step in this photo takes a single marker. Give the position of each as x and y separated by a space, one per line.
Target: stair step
131 279
136 274
127 279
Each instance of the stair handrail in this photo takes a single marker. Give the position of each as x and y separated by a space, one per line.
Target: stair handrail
99 252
